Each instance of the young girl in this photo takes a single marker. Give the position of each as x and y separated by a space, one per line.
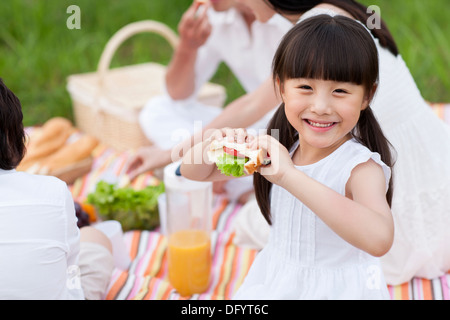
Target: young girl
421 141
329 204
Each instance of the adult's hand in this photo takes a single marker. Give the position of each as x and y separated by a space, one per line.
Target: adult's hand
147 159
194 27
194 30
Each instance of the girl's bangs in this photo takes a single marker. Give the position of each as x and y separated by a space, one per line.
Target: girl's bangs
327 51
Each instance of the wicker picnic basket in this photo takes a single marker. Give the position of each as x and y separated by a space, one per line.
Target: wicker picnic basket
107 103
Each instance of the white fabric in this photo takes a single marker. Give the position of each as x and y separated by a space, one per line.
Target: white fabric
39 238
96 267
250 228
304 258
248 54
421 203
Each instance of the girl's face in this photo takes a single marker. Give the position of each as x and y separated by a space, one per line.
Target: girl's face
324 112
260 9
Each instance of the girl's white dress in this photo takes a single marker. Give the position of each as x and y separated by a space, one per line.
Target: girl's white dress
421 203
304 258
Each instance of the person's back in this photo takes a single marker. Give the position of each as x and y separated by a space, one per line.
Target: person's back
39 238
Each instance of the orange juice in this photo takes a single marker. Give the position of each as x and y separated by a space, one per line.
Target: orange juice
189 254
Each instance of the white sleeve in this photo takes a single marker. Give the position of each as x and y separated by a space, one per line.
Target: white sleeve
208 57
208 61
73 280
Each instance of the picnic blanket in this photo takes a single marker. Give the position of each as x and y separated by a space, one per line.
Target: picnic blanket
147 278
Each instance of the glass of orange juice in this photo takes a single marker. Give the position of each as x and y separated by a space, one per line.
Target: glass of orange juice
189 224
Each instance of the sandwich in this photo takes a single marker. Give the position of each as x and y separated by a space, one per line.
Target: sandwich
236 159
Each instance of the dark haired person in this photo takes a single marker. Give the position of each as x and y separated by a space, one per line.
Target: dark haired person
421 141
41 254
327 190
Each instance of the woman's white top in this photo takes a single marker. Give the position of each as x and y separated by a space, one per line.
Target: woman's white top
39 238
421 202
306 259
248 53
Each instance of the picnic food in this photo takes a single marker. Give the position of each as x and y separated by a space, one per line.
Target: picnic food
59 149
69 154
189 257
46 140
236 159
82 217
90 211
134 209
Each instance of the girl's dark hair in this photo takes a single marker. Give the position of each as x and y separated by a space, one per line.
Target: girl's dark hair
12 134
355 9
328 48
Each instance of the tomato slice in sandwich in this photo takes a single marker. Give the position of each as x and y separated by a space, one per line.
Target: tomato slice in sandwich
233 152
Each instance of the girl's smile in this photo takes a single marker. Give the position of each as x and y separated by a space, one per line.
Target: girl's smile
324 112
320 126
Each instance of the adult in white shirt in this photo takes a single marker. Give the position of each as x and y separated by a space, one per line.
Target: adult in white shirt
229 33
41 256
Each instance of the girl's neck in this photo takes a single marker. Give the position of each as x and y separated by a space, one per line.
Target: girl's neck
307 154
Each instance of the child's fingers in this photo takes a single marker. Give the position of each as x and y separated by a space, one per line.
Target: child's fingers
229 134
265 142
250 140
240 135
217 135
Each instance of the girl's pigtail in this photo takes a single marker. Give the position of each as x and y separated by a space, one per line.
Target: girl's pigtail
369 133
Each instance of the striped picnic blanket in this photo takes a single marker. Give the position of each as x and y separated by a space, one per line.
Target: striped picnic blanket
147 278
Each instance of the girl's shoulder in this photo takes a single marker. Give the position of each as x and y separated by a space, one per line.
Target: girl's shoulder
354 154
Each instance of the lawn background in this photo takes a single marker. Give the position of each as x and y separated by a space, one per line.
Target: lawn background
38 51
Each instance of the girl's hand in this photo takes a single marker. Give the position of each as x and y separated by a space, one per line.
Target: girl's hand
280 160
194 27
238 135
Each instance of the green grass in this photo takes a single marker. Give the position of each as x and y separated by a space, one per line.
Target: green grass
421 31
38 51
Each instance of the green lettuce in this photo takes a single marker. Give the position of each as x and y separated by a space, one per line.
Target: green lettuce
230 165
134 209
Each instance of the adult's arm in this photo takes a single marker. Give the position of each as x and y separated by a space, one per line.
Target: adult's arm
241 113
194 30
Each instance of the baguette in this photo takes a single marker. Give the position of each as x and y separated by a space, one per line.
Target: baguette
69 154
51 129
51 137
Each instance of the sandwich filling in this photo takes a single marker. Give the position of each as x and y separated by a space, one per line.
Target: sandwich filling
234 159
231 162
